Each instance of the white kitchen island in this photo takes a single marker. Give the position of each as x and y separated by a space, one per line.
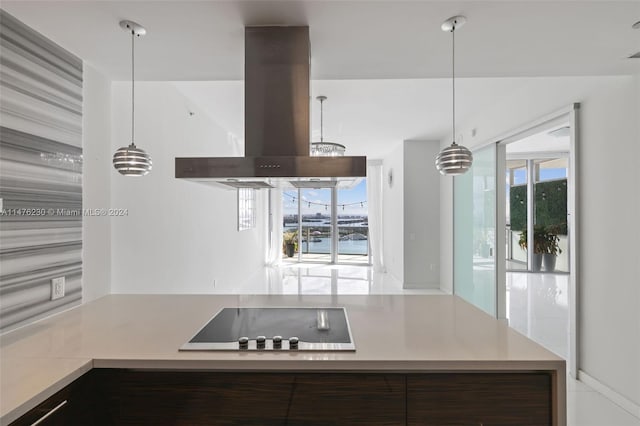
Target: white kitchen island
403 336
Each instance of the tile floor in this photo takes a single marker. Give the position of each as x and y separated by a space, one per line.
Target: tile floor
310 278
537 307
326 258
586 407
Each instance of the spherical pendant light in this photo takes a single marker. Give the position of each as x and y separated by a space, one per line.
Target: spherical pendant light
455 159
131 160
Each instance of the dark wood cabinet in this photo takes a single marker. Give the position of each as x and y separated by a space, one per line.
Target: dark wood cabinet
80 403
479 399
201 398
138 397
347 399
205 398
53 411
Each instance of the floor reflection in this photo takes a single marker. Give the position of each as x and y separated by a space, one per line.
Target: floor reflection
309 279
538 307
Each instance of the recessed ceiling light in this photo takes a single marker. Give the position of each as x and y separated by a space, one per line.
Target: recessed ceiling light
636 26
561 132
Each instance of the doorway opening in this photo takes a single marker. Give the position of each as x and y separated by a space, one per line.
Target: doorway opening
538 207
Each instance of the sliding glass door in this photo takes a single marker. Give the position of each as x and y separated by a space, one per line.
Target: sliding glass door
327 225
545 212
316 225
475 232
353 224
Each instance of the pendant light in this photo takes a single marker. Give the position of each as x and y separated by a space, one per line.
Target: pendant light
131 160
455 159
322 148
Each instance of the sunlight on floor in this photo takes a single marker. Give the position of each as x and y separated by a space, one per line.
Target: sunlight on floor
309 278
538 307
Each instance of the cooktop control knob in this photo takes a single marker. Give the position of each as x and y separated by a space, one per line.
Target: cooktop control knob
261 342
277 342
293 343
243 343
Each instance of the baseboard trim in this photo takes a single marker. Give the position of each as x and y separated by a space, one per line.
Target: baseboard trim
618 399
423 285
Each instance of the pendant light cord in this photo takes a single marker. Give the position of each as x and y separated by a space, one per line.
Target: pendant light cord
454 159
130 160
321 121
453 78
133 89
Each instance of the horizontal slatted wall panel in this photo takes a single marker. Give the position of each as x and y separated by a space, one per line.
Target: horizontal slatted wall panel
40 174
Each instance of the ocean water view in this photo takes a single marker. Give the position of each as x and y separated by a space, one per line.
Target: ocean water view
316 236
313 209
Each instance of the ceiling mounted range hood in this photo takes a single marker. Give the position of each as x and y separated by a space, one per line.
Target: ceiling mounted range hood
277 103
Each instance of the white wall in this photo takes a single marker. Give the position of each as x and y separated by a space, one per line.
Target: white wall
393 212
179 236
608 208
421 215
412 215
96 186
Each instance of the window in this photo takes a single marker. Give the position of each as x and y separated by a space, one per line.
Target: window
246 208
333 225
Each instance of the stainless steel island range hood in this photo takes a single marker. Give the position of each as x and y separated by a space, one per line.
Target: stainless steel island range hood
277 102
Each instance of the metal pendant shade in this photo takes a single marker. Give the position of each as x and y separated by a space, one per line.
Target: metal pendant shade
455 159
322 148
131 160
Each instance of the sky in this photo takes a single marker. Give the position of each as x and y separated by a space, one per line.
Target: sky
520 175
356 195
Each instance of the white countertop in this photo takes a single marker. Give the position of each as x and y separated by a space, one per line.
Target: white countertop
393 333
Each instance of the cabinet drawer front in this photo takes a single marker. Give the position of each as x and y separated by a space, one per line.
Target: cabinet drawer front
348 399
201 398
479 398
260 398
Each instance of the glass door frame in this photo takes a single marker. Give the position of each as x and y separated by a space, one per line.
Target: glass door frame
335 233
568 114
477 276
333 227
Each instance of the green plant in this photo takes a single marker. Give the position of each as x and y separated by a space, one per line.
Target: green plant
539 239
552 240
551 205
290 237
545 239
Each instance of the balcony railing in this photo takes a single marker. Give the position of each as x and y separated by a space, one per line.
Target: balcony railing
316 239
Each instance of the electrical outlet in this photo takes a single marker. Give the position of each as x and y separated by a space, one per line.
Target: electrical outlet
214 283
57 288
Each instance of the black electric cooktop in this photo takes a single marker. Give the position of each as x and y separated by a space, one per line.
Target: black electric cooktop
275 329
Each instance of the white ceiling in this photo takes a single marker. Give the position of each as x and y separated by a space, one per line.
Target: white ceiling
203 40
368 116
385 65
542 142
